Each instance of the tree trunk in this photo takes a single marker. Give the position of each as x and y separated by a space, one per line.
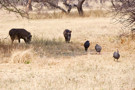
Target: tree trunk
67 5
79 7
101 1
56 6
29 6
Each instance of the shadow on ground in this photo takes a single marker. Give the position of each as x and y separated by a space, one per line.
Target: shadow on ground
58 48
44 47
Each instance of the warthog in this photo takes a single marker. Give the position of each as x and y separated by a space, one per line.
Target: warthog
20 34
67 35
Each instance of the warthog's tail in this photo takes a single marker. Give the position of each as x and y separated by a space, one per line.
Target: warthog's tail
6 37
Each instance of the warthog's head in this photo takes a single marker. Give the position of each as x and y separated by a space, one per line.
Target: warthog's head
28 38
67 35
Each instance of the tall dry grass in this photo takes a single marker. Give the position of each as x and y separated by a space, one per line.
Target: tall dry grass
23 53
74 14
50 63
57 48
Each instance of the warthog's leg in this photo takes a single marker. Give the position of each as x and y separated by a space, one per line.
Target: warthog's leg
12 38
66 39
12 41
25 40
19 40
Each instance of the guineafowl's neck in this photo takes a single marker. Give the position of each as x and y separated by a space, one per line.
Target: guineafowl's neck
117 51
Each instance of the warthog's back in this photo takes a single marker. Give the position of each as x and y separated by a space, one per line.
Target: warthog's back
19 32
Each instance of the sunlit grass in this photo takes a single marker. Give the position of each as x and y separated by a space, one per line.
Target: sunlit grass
74 14
51 63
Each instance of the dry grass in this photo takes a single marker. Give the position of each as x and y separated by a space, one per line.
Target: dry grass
73 14
51 64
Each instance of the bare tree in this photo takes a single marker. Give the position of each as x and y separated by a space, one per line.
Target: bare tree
29 6
78 6
12 7
125 11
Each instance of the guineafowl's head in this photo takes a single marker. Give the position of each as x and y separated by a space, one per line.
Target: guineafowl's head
87 41
117 51
96 44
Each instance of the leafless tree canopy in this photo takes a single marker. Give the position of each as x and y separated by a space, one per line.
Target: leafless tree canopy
125 10
11 5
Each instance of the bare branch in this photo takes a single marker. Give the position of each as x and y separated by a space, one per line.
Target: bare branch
12 8
125 10
56 6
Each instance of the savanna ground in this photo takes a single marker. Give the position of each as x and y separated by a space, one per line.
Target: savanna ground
49 63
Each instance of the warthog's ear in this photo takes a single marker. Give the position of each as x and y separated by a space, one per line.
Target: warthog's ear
70 31
30 35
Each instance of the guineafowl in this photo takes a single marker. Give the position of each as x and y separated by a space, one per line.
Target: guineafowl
86 45
98 48
116 55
